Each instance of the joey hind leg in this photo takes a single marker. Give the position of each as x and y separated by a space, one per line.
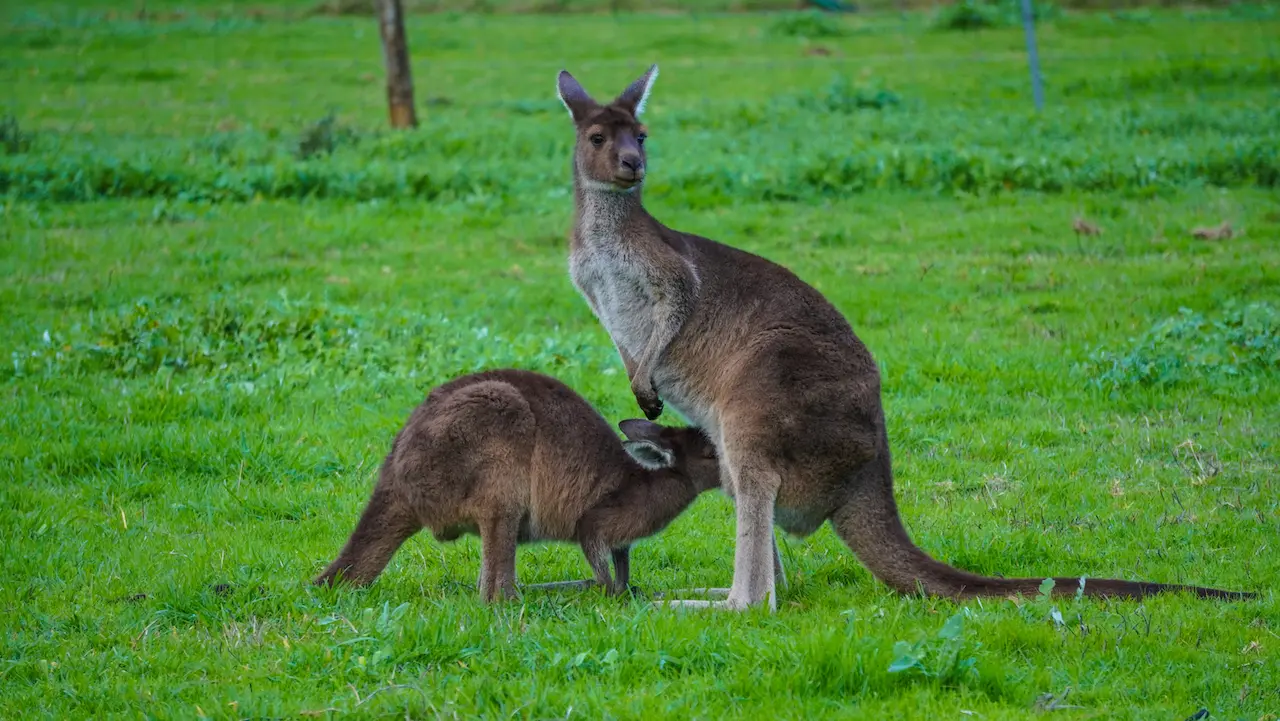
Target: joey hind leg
383 527
498 536
622 568
597 555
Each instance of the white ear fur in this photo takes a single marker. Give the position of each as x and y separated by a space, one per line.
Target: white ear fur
650 455
648 87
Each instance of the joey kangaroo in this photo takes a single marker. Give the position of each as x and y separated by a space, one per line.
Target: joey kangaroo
759 360
516 457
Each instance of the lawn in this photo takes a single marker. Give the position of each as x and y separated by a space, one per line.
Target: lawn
226 284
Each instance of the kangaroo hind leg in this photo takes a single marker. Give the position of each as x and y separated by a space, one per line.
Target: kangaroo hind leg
756 484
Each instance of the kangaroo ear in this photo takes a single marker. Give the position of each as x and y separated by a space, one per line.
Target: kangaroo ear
637 93
650 454
574 96
638 429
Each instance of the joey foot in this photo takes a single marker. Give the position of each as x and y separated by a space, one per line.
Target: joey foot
557 585
628 590
647 397
500 594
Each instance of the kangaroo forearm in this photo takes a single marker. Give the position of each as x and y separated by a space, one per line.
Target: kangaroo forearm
671 311
628 361
662 335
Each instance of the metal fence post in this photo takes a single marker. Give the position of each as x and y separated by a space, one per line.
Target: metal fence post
1033 57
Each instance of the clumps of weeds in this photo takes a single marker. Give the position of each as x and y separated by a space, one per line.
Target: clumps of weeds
1240 340
982 14
948 657
1199 73
220 335
323 137
227 337
808 24
968 15
532 107
1135 15
843 95
167 212
38 39
1253 11
12 138
369 8
219 146
346 7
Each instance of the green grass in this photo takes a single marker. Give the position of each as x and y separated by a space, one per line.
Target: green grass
210 341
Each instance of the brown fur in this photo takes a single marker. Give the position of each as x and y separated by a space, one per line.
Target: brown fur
762 362
516 457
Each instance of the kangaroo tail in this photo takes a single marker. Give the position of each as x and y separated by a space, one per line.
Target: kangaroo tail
868 522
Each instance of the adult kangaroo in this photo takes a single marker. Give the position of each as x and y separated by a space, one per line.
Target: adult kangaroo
762 362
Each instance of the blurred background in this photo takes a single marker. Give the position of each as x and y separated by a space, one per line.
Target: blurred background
763 100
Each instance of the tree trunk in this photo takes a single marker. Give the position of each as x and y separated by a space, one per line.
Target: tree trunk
395 54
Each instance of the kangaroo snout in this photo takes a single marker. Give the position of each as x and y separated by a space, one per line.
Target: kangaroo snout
631 167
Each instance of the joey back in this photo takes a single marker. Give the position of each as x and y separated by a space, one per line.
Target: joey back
762 362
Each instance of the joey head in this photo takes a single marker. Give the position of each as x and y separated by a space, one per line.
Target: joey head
678 464
761 361
517 457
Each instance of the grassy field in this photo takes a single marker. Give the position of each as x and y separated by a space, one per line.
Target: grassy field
225 285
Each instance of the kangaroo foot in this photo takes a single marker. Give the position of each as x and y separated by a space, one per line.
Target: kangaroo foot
725 605
718 592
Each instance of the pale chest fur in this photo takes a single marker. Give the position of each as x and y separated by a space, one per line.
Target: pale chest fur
616 281
613 283
611 276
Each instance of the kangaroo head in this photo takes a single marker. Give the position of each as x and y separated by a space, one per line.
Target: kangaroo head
609 154
686 451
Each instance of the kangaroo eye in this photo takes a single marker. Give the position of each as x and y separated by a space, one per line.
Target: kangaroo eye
641 138
597 140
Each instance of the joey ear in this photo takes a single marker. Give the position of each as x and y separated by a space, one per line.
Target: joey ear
638 429
637 93
650 455
574 96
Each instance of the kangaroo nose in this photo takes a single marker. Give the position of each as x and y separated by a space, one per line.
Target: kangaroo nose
630 162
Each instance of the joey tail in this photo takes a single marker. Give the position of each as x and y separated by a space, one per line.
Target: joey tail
383 527
868 522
